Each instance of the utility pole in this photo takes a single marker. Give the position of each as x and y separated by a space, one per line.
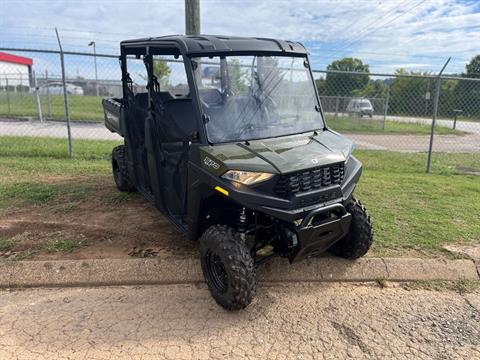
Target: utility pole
192 17
92 43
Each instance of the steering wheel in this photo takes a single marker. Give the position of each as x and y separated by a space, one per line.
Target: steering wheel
211 98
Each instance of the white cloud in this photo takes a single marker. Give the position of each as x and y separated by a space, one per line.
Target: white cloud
410 65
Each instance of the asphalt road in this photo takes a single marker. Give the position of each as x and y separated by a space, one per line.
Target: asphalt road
407 143
300 321
417 143
468 126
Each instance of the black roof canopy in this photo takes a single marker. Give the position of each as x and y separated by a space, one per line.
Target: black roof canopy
211 45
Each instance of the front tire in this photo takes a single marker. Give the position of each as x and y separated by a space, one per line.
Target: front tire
228 268
360 237
120 170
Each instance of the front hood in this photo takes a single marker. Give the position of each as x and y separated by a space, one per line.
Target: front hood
283 154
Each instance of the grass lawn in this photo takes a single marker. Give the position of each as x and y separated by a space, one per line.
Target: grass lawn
373 126
85 108
414 213
89 108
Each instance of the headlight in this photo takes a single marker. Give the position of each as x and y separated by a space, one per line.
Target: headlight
246 177
349 153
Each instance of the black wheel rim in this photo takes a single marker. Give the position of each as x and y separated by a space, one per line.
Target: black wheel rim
216 273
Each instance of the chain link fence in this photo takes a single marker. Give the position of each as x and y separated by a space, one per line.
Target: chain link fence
390 112
394 112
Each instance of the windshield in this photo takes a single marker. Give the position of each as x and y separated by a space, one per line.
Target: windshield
254 97
365 104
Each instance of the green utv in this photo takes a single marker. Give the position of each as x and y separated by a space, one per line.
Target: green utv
226 136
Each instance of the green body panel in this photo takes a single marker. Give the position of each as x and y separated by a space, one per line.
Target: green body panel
278 155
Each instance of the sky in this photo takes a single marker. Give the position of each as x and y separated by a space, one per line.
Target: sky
417 35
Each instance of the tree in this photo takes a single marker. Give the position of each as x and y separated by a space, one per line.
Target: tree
338 84
467 93
162 71
321 86
411 95
374 89
447 101
237 76
473 68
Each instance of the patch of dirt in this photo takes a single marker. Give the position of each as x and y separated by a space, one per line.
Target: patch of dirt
110 229
471 251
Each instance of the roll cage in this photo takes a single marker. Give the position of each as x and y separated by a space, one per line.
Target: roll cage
199 46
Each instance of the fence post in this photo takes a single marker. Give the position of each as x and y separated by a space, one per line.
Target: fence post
434 115
8 94
385 110
49 100
37 98
336 108
65 96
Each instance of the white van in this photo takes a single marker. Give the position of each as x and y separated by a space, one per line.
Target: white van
360 107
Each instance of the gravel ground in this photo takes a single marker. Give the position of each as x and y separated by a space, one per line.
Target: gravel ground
302 321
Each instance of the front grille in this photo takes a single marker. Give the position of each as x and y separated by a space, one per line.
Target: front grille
307 180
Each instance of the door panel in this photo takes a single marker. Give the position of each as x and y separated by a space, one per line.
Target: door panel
168 160
167 124
136 95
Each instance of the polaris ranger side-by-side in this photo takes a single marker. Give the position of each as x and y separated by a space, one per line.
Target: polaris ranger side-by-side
229 141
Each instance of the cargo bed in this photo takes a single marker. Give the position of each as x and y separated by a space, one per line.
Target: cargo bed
113 111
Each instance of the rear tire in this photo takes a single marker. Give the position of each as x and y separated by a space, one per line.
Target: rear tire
360 237
120 170
228 268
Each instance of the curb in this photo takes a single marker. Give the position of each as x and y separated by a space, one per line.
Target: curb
99 272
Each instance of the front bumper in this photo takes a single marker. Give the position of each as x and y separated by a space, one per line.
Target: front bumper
289 211
319 230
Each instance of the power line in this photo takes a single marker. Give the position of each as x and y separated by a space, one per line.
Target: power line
54 37
377 19
65 30
350 43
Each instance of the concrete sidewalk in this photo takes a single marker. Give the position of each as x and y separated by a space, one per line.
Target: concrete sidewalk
98 272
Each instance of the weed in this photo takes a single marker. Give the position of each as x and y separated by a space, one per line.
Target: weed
6 244
116 198
460 286
64 245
